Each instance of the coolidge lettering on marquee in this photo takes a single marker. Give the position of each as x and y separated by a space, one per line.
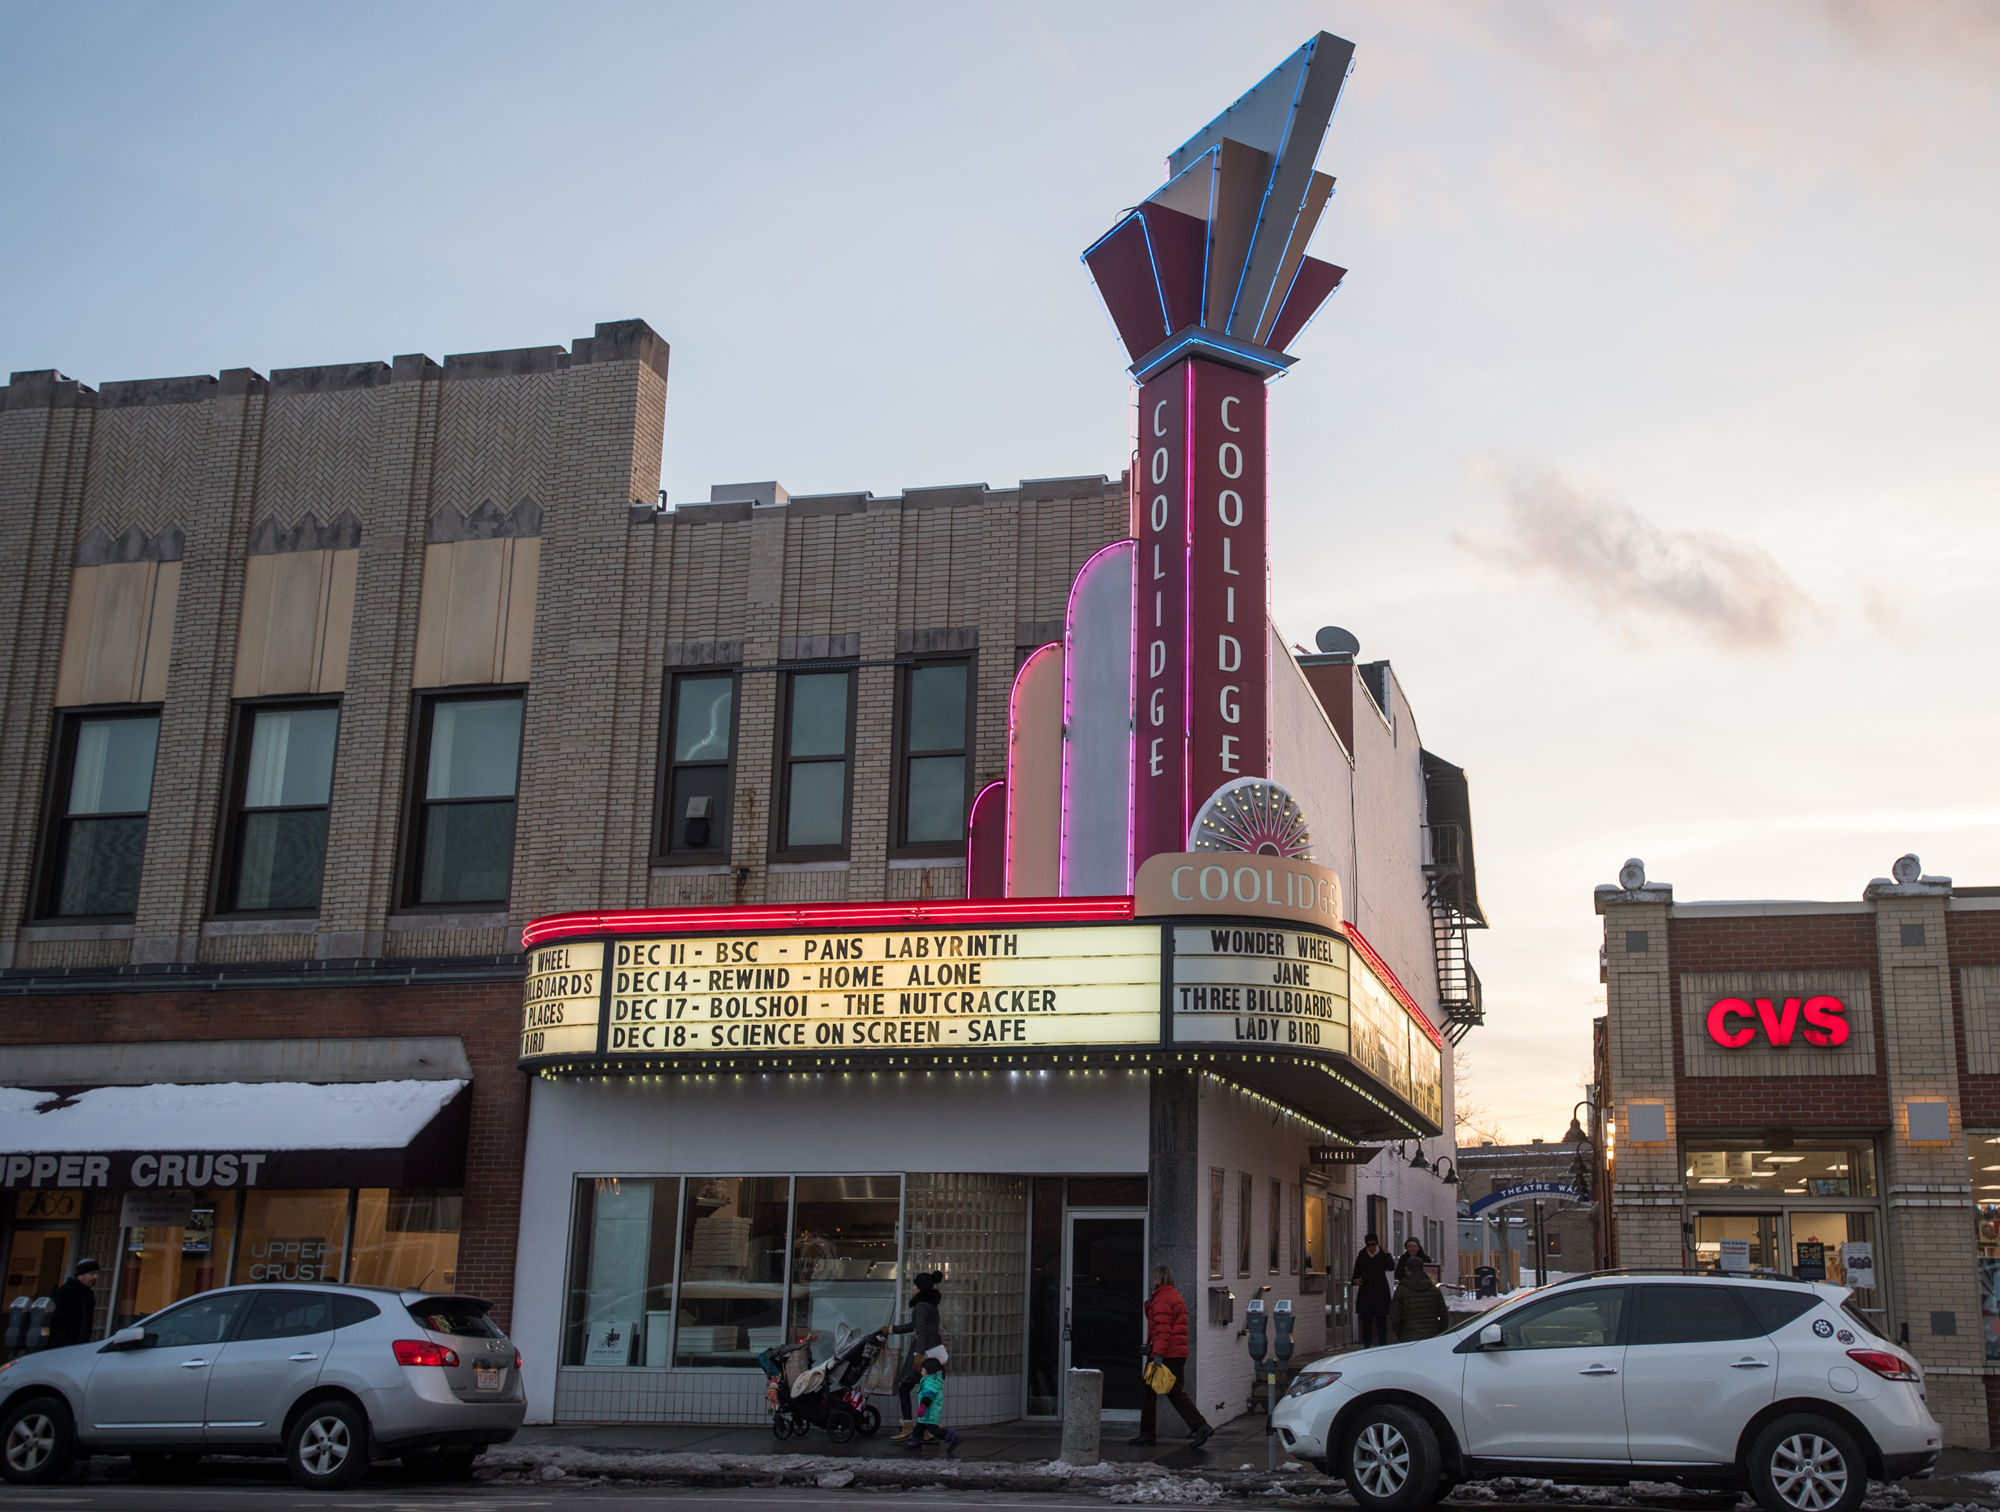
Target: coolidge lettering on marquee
1199 637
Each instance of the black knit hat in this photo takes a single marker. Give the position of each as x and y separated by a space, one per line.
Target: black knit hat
928 1279
85 1267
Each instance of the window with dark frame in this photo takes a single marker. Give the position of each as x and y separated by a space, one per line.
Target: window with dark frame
934 735
103 789
1215 1181
1246 1196
812 779
1277 1219
467 767
274 852
700 766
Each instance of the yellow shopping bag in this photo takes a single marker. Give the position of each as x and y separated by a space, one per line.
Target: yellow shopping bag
1159 1377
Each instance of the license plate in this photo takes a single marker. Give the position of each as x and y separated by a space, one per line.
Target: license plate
486 1377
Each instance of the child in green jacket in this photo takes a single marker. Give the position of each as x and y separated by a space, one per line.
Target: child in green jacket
930 1409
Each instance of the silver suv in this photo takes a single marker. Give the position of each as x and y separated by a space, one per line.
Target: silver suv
330 1377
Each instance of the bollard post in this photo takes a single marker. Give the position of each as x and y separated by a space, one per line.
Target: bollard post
1083 1417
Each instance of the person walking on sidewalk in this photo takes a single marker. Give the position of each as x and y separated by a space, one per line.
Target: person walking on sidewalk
930 1408
1413 1258
1167 1344
1419 1310
1372 1268
75 1307
923 1323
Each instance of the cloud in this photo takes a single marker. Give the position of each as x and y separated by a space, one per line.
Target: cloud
1729 593
1886 614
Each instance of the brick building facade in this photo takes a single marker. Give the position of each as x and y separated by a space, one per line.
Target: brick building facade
321 684
1811 1088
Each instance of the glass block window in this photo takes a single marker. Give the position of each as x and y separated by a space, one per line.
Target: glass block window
973 1229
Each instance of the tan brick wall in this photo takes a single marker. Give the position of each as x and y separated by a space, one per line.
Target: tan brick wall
391 449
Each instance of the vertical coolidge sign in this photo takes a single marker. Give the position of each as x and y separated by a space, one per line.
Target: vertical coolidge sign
1202 652
1207 281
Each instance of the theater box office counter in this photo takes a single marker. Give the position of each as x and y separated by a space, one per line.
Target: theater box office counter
754 1123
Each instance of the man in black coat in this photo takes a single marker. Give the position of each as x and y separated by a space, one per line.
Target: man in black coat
75 1307
1372 1269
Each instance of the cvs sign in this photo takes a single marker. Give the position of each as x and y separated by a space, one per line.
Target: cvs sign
1733 1023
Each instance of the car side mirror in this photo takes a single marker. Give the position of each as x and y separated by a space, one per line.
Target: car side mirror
127 1338
1490 1337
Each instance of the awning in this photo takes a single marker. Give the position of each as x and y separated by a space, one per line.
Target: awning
172 1136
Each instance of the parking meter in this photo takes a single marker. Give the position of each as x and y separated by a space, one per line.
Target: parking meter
1282 1320
1254 1317
17 1326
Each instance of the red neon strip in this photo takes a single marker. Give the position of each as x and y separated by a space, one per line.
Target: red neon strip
828 916
1395 985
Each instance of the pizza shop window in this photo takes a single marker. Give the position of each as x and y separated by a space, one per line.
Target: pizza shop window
103 788
818 730
698 772
1807 1168
933 735
468 761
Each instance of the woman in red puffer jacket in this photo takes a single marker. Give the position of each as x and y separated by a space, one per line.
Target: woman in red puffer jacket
1167 1342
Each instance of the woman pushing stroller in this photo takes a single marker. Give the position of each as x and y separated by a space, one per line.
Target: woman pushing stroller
927 1344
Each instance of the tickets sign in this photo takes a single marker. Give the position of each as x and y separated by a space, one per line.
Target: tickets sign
924 990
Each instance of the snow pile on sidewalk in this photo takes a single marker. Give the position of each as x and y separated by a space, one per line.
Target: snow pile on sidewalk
1168 1488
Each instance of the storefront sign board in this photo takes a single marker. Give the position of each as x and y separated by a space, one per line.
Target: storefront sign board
562 999
1275 987
1259 887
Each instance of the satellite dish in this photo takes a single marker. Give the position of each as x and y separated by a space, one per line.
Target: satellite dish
1907 869
1632 875
1334 641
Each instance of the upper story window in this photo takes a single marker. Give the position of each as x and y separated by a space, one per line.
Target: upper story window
104 786
276 849
468 759
934 736
818 728
699 770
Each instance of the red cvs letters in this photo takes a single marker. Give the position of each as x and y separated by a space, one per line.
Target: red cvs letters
1825 1021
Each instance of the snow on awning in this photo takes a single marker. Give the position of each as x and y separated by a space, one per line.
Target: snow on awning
249 1134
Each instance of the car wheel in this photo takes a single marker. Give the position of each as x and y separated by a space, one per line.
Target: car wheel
328 1445
1389 1459
1807 1464
870 1420
165 1467
840 1427
441 1466
37 1441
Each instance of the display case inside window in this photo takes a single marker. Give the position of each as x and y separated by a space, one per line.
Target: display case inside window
164 1264
843 1255
406 1238
1811 1169
732 1286
622 1272
1983 1163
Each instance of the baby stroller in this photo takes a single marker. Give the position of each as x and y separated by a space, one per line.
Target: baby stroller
827 1395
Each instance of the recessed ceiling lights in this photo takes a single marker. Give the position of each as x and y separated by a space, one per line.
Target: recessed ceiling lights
1715 1181
1787 1159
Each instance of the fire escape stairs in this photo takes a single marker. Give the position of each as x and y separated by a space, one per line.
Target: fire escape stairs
1458 983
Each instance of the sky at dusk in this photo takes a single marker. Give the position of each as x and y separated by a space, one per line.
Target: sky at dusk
1654 436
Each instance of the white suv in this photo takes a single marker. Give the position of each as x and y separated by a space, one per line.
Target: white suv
1770 1386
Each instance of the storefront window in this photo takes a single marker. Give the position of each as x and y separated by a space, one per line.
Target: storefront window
406 1238
622 1271
1806 1169
844 1254
732 1287
292 1236
1315 1233
1983 1162
164 1264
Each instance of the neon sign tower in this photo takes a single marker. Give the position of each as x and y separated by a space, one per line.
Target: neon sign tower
1207 282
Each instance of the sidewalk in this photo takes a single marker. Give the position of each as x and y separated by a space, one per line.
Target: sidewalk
1238 1442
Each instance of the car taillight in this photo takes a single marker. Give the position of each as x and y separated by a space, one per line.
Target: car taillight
1884 1364
423 1352
517 1359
